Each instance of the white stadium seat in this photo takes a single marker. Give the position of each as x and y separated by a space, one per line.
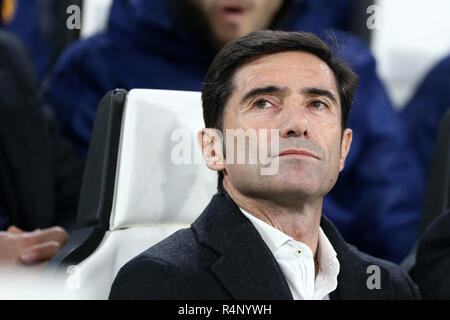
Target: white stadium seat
135 191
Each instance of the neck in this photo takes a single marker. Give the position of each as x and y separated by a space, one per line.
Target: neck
299 218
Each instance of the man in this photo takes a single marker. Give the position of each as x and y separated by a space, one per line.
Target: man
264 236
40 176
169 45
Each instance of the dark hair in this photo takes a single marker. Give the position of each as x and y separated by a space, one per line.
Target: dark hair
218 84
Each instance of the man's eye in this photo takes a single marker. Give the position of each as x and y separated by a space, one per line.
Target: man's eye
262 104
319 105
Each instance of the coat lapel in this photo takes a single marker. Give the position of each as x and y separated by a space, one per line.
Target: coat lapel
248 270
246 267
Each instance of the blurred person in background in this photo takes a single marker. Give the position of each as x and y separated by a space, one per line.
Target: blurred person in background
40 175
424 112
169 45
423 116
431 271
40 25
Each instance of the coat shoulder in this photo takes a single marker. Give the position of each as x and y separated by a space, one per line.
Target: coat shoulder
172 269
395 282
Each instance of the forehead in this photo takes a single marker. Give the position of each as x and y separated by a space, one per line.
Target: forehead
293 69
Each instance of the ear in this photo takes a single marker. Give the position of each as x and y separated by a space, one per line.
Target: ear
345 147
210 141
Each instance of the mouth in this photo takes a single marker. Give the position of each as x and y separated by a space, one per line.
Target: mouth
232 11
301 153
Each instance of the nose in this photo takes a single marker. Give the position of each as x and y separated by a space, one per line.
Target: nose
294 122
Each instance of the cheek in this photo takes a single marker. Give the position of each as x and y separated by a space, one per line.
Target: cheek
243 177
260 17
326 122
331 144
335 156
267 10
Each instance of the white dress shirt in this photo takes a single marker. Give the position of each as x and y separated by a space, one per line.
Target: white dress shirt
296 261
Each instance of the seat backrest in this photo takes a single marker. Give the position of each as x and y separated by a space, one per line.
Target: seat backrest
144 179
95 16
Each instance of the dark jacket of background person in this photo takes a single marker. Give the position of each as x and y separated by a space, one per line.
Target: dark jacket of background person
376 202
41 26
40 176
424 112
432 269
222 256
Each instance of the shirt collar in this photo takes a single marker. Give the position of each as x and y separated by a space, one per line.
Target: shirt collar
282 246
274 239
326 253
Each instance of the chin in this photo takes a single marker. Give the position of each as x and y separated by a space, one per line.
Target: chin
298 184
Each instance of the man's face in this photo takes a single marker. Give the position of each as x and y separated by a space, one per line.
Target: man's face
296 93
232 19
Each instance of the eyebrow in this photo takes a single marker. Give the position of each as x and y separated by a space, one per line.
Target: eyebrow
320 92
254 92
271 89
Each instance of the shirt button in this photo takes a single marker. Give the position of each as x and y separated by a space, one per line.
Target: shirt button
298 252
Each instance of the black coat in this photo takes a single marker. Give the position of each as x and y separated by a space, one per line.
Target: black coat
222 256
40 177
432 269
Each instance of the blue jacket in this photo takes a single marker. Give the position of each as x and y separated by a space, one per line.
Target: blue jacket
425 111
377 200
27 25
